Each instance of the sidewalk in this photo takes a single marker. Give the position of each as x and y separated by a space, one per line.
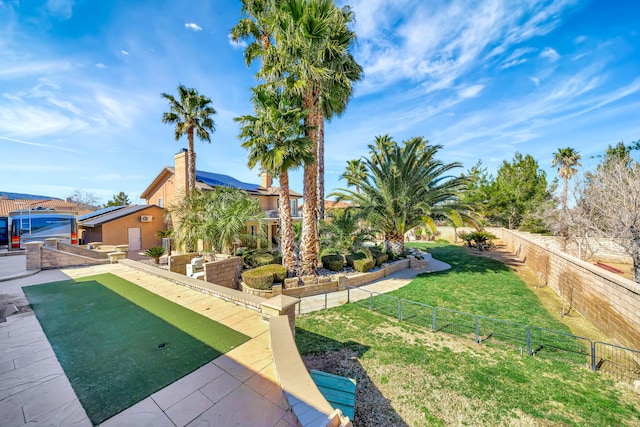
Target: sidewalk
387 284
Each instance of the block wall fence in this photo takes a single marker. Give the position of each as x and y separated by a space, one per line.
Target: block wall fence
609 301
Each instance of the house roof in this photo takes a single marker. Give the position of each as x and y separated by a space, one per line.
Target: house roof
7 205
111 215
330 204
209 180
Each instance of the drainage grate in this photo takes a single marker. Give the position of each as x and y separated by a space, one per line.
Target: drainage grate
162 346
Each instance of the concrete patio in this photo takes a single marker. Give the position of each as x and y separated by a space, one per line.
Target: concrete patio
34 389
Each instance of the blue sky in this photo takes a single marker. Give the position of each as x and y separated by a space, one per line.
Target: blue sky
80 85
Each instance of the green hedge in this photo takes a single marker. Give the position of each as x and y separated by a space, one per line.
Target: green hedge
333 262
364 265
380 257
264 277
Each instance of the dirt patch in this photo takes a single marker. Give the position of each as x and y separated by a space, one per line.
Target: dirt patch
547 296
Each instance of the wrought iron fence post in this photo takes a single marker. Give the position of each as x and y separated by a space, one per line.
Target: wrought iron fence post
348 294
528 341
400 309
593 357
477 330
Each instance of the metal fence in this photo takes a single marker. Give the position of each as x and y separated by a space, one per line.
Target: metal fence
619 362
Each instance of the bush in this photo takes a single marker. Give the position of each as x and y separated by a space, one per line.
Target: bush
353 257
156 252
442 241
333 262
381 258
258 258
363 265
264 277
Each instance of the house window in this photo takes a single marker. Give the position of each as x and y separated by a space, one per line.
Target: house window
160 202
294 207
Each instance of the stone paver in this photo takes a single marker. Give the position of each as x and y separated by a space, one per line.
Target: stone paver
35 390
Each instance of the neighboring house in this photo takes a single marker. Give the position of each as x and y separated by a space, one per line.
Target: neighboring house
136 226
168 187
11 205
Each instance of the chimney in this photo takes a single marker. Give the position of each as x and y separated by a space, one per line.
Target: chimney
180 171
267 179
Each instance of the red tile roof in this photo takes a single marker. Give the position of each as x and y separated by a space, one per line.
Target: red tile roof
7 206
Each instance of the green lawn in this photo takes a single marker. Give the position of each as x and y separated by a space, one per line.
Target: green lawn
119 343
429 378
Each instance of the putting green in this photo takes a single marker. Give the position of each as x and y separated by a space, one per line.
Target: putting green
119 343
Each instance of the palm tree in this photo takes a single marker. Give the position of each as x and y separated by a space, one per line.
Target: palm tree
354 173
191 115
255 27
215 217
275 140
405 186
566 160
310 56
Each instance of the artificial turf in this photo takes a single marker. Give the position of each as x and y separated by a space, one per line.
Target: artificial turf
119 343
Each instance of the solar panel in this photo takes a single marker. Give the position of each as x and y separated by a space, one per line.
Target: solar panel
99 212
219 180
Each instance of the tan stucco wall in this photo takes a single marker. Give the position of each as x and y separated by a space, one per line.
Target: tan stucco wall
116 232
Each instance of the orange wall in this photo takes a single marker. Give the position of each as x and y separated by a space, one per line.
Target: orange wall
116 232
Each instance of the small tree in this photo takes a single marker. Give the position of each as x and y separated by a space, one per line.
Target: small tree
120 199
84 199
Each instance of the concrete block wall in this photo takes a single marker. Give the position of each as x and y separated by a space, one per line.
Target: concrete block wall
609 301
224 272
80 250
54 258
178 263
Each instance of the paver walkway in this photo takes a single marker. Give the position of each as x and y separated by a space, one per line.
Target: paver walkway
387 284
238 388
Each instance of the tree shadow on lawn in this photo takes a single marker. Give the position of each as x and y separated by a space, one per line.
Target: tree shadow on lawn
462 261
342 358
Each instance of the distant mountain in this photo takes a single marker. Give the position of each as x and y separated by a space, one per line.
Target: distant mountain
18 196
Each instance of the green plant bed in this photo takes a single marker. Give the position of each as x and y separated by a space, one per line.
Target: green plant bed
333 262
263 277
108 335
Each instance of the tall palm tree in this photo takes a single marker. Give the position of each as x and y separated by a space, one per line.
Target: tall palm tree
566 160
405 186
255 26
354 173
311 57
275 140
191 115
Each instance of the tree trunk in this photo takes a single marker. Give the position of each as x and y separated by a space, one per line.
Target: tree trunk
287 243
309 244
320 161
191 168
395 243
565 190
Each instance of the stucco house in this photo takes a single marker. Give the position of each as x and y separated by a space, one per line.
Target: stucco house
135 226
168 187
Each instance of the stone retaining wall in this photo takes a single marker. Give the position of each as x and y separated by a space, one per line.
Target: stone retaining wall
609 301
80 250
224 271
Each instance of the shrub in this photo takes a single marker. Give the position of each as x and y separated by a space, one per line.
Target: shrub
380 258
353 257
258 258
263 277
442 241
333 262
155 252
364 265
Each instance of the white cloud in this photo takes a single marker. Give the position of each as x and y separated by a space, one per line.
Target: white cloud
236 44
62 9
535 80
470 91
101 66
40 145
550 54
124 52
192 26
